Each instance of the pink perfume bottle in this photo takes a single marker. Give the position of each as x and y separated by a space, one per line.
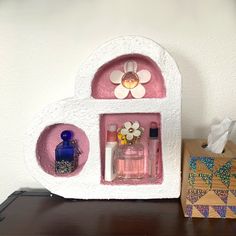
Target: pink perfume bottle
129 161
129 155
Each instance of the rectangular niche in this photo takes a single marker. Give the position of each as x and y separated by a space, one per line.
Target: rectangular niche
144 120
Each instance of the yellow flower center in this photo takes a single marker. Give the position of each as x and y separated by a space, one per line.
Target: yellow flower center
130 80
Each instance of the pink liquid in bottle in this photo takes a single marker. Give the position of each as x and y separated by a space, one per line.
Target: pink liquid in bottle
129 161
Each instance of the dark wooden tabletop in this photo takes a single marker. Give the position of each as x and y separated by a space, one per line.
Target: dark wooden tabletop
41 213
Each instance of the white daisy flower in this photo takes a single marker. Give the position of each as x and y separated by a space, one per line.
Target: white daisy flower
130 80
131 130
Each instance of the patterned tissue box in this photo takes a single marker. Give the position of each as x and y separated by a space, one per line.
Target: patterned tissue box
209 181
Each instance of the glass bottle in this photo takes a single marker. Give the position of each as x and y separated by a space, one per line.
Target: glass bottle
129 161
153 150
66 154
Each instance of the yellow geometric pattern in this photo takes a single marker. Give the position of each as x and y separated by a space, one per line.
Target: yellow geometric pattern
211 198
202 168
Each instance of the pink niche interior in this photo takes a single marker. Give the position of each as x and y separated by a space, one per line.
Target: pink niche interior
103 88
145 120
50 138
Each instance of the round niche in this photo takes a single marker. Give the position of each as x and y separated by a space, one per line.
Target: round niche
103 87
50 138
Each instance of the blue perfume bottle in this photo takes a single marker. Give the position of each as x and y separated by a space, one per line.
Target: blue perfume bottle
66 154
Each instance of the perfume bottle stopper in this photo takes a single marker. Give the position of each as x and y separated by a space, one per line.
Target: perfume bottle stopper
153 132
111 133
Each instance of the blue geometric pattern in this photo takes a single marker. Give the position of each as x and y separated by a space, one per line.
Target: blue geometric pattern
221 210
208 161
203 209
224 173
193 163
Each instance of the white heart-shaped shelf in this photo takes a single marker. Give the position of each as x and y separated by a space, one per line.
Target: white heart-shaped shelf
128 78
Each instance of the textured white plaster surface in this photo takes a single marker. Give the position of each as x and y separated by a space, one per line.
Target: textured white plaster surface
43 43
84 112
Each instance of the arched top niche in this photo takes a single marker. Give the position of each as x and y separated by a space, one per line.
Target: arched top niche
103 88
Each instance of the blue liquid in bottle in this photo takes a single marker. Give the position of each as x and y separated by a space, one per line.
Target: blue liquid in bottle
66 154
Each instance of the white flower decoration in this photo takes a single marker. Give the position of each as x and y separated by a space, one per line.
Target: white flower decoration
131 131
130 80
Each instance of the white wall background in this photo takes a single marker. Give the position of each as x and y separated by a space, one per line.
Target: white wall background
43 43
